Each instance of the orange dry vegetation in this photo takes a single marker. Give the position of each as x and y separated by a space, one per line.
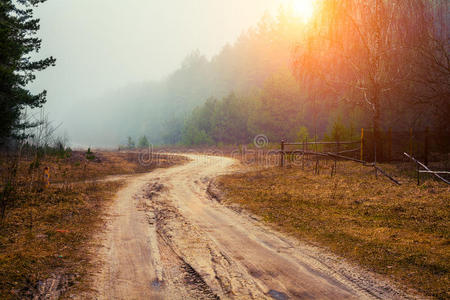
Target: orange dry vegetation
78 167
400 231
47 233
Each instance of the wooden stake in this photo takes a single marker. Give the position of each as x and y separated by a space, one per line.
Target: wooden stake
362 143
390 144
411 141
427 133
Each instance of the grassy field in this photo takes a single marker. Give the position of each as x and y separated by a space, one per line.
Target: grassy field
47 233
400 231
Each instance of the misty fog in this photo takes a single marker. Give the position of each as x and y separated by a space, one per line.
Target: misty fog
123 67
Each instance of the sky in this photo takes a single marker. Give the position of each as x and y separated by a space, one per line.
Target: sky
103 45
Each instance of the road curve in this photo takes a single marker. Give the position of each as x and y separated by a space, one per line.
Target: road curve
167 239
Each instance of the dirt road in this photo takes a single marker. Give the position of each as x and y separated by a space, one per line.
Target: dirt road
167 239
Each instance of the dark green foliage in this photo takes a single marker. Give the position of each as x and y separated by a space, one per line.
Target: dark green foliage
216 122
279 110
130 143
143 142
338 130
89 154
17 42
173 131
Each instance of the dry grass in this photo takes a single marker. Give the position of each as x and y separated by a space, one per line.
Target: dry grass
47 233
399 231
77 167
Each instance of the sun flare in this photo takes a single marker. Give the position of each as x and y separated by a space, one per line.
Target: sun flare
303 9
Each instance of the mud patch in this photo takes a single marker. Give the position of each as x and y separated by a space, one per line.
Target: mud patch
51 288
214 192
201 265
193 278
180 278
278 295
154 190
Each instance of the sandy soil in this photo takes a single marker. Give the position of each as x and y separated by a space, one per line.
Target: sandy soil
168 239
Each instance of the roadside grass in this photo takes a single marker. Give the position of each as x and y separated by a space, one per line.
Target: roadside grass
46 236
49 236
77 167
399 231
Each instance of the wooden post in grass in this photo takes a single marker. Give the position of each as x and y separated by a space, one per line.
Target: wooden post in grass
46 177
282 154
375 154
316 171
303 156
335 159
362 144
411 141
389 144
427 139
418 174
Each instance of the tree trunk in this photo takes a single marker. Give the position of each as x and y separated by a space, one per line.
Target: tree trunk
377 138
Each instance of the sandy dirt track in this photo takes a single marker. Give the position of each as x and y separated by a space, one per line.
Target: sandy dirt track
168 239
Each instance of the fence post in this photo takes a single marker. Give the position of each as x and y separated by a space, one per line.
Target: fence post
282 154
418 175
46 177
411 141
303 156
315 151
307 148
375 153
427 133
362 143
390 144
335 159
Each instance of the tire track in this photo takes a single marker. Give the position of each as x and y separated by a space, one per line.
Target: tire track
169 239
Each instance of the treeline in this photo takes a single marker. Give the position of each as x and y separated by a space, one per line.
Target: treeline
279 110
374 64
159 109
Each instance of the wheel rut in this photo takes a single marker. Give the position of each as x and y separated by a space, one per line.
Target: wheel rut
171 237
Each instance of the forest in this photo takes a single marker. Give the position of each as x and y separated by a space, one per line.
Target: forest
381 67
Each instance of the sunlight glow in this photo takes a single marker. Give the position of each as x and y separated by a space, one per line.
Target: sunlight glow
303 9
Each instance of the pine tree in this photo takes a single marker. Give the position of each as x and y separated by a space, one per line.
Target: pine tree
17 41
130 143
143 142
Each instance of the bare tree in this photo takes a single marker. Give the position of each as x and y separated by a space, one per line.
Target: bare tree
363 50
432 78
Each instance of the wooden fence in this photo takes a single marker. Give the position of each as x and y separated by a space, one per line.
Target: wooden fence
338 154
390 145
364 148
427 170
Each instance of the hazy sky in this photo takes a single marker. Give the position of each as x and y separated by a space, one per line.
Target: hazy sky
102 45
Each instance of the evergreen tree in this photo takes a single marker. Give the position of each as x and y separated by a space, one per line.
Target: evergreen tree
143 142
130 143
17 42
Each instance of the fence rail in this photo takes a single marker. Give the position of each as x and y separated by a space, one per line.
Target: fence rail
322 143
386 146
334 156
435 173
